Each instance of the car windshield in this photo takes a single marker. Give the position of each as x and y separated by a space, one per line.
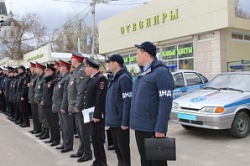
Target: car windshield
231 81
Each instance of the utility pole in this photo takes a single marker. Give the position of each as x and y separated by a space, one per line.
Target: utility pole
79 35
93 28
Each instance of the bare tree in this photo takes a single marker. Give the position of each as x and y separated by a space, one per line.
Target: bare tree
65 38
31 34
239 12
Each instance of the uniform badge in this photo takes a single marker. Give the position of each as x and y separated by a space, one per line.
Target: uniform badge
72 82
31 83
0 92
39 87
81 78
101 85
59 86
49 85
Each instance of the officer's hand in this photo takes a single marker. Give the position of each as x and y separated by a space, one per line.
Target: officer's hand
124 127
95 120
28 85
159 135
76 110
63 111
42 103
22 99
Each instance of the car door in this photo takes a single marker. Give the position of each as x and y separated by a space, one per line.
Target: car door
194 81
179 85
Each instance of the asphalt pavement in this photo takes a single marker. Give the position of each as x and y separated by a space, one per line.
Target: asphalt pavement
196 147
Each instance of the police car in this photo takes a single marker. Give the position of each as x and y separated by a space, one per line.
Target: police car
187 81
224 103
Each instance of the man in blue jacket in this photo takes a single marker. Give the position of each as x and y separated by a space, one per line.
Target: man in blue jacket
117 109
152 99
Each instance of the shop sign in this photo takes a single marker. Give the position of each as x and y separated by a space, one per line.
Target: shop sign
150 22
38 56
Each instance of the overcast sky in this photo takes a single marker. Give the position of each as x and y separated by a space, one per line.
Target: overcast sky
54 13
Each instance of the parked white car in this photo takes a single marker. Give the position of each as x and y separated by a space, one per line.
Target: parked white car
224 103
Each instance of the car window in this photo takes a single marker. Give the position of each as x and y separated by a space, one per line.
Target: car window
178 80
192 78
205 80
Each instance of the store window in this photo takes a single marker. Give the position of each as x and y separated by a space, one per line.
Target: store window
126 59
247 37
180 56
132 58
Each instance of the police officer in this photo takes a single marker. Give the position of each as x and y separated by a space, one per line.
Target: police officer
50 81
37 126
76 88
95 96
2 91
38 99
10 108
60 106
12 96
118 108
22 95
150 109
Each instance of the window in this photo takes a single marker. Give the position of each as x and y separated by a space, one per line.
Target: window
192 79
178 80
247 37
205 36
237 36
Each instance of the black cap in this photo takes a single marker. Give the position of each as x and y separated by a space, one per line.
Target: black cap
16 70
148 47
92 63
115 57
9 68
22 67
50 67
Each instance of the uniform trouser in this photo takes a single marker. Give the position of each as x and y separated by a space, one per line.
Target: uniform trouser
36 123
67 127
53 124
2 103
109 138
23 105
84 135
17 111
98 139
11 109
42 115
121 139
140 137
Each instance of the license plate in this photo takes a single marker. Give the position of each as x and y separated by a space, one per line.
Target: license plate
186 116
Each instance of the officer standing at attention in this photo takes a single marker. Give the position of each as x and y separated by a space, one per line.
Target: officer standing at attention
95 96
117 109
151 100
22 95
61 104
38 98
50 81
37 126
76 88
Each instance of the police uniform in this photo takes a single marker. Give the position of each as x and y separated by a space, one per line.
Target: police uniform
37 126
41 108
52 117
22 96
10 108
76 87
95 96
12 96
2 91
60 102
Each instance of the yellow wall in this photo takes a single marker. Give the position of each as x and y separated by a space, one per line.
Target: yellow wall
194 16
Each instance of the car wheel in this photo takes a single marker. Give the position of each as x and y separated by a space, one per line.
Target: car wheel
240 125
187 127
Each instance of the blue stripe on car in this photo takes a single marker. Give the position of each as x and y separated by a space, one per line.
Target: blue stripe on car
245 101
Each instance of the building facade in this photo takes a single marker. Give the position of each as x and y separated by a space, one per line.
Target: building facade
189 34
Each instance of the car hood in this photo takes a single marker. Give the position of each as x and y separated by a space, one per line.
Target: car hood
203 98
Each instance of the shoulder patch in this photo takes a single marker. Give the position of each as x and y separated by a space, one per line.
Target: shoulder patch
101 85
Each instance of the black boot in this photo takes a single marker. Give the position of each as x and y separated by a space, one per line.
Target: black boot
45 134
19 121
41 133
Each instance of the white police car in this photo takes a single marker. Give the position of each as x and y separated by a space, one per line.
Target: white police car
224 103
187 81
